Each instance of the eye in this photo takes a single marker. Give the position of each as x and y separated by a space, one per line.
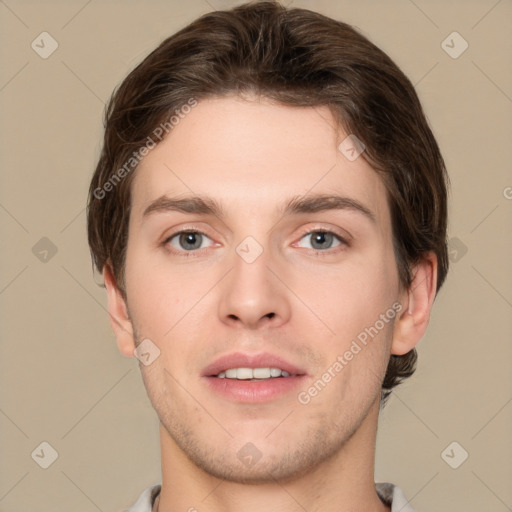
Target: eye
186 241
321 240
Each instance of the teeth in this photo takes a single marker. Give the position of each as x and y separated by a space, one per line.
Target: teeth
252 373
244 373
261 373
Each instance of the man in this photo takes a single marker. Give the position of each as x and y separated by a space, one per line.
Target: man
269 214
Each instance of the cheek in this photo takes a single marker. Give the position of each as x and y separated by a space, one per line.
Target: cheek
152 296
352 296
156 305
166 302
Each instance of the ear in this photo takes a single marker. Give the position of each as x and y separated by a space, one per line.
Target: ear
118 311
417 303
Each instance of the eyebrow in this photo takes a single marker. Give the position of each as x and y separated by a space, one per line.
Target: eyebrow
296 205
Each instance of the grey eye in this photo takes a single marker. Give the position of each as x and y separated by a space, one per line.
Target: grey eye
187 240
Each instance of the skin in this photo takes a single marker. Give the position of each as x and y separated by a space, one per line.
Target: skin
302 304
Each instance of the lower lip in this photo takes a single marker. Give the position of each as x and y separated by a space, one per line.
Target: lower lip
255 391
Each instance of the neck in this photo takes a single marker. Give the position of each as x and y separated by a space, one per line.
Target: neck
343 482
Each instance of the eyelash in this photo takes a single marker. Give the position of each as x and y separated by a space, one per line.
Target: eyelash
343 241
187 254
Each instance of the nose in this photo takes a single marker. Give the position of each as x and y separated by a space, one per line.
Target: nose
253 294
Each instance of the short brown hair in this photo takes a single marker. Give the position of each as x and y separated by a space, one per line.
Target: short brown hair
294 57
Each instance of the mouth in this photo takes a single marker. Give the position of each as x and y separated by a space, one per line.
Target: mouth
253 374
252 378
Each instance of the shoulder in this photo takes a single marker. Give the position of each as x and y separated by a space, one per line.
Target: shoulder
393 496
390 494
146 500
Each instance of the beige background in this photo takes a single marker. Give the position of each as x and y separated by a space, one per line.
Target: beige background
63 380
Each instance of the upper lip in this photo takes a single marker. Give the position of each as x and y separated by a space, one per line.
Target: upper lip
241 360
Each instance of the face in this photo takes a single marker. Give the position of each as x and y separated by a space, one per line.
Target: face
286 263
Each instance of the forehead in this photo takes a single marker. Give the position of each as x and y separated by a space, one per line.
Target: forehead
253 155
